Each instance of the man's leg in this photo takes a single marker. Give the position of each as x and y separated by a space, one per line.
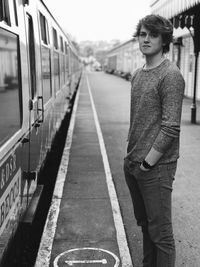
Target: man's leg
149 249
156 188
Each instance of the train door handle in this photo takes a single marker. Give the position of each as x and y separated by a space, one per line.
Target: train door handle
40 109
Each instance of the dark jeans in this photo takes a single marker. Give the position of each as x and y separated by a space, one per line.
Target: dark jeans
151 196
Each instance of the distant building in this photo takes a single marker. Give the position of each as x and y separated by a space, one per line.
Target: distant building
185 16
124 58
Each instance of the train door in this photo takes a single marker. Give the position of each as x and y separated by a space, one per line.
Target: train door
34 102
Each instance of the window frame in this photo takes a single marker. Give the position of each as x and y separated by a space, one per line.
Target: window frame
5 12
55 39
61 44
12 136
44 29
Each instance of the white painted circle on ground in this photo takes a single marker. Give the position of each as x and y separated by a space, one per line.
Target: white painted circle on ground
86 257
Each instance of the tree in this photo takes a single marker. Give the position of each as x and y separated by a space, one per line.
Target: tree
76 45
88 51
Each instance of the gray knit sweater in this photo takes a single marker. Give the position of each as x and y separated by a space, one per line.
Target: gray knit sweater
155 115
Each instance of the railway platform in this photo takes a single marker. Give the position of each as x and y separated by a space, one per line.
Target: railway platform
84 225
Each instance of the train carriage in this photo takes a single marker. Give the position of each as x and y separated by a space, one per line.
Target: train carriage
39 73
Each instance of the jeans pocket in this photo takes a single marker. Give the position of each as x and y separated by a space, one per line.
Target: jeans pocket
130 166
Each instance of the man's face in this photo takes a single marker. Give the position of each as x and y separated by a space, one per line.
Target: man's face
150 43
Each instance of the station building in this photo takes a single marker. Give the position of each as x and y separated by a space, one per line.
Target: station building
184 14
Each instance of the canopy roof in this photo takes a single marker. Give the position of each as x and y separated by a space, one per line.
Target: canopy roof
171 8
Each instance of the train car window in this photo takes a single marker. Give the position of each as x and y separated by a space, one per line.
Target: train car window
31 44
66 51
72 61
61 44
56 67
46 73
66 62
44 29
56 73
15 12
10 94
55 39
4 12
46 59
62 62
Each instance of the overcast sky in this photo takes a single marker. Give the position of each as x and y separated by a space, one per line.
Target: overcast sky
99 19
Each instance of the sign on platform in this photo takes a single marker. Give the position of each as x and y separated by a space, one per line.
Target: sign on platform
85 257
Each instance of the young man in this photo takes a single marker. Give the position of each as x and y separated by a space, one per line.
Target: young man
153 141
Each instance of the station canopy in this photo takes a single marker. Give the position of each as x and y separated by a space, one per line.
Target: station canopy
171 8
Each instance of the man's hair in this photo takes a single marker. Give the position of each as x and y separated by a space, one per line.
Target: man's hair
158 25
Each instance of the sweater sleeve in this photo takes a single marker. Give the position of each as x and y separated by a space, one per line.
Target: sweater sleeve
132 79
171 93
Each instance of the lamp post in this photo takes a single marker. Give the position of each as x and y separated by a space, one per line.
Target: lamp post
196 41
194 106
